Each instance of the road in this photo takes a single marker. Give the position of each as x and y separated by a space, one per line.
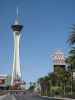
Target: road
26 96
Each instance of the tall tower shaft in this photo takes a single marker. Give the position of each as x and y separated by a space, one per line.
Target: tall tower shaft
16 73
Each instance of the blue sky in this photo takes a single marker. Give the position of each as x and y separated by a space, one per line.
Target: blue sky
46 28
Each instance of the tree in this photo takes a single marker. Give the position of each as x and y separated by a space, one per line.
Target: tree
71 39
71 66
41 82
45 85
32 86
71 57
53 82
53 78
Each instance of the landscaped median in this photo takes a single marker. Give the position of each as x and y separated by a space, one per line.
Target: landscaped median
57 98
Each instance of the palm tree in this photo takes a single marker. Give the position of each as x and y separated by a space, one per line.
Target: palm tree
53 78
66 79
45 85
41 82
71 39
70 60
53 82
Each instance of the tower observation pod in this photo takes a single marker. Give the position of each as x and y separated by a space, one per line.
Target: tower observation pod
58 60
16 73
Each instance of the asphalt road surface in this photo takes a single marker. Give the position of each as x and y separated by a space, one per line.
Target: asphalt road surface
26 96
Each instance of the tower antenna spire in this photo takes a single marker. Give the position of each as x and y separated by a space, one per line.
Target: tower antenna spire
17 16
17 12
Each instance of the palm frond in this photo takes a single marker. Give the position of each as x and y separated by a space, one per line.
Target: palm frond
71 39
72 51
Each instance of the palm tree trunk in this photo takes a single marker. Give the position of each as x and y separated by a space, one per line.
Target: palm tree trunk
71 80
64 88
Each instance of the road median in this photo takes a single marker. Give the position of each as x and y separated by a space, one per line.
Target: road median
59 98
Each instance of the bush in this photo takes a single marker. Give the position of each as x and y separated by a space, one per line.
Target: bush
56 90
